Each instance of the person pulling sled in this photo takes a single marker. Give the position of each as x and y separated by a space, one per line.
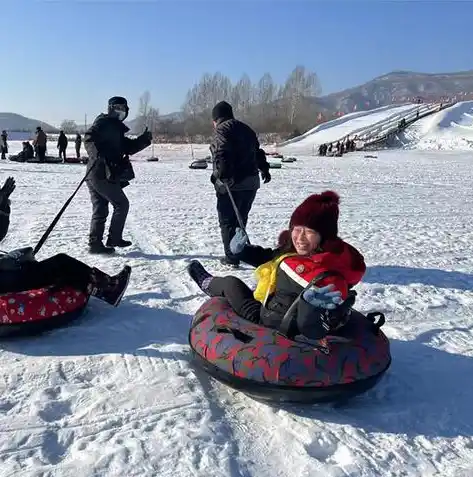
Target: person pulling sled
310 248
109 171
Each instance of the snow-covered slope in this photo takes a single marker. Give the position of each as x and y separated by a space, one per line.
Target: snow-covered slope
350 125
116 394
450 129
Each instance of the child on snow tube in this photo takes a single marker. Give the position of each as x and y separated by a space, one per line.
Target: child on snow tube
19 271
309 248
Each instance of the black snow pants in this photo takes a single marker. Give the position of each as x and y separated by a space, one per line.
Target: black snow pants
62 153
239 296
78 151
103 192
227 218
60 269
41 153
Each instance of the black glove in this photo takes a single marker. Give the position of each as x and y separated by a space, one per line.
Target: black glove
7 189
266 176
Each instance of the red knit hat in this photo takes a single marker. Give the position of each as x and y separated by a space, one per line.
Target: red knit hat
318 212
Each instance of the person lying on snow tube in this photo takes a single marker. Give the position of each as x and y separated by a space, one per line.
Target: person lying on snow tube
310 247
19 271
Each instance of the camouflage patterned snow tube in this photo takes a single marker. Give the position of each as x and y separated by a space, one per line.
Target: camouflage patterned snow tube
268 366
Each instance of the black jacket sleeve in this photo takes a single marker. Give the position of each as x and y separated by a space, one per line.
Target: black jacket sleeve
263 164
255 255
132 146
4 218
223 153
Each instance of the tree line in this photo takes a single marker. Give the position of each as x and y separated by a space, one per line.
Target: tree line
284 110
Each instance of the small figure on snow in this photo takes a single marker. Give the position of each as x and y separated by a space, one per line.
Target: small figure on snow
309 248
62 142
236 158
40 144
4 144
78 144
110 171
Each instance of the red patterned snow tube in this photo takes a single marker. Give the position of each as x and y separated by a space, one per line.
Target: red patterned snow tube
34 311
268 366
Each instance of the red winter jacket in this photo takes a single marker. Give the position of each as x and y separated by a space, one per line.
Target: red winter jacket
295 272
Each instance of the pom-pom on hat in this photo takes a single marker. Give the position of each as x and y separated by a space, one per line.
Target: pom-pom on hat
318 212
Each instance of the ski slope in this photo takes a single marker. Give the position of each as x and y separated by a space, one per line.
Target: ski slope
354 124
116 394
450 129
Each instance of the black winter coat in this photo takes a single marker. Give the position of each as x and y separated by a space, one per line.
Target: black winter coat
62 141
4 218
235 151
108 149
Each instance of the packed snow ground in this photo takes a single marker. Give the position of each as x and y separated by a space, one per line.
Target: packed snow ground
116 394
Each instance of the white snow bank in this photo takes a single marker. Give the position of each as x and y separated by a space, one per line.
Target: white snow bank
450 129
340 128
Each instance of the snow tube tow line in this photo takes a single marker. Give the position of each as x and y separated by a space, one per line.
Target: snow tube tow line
35 311
268 366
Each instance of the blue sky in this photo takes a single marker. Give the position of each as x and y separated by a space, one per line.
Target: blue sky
64 58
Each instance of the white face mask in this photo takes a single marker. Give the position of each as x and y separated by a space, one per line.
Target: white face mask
121 115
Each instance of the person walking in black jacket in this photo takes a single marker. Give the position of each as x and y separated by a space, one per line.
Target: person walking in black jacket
62 142
110 171
78 143
236 157
4 144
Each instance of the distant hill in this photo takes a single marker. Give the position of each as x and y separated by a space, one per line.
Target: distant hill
17 122
399 86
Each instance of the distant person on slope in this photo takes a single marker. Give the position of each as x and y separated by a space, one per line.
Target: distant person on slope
236 157
108 150
59 270
62 142
4 144
40 144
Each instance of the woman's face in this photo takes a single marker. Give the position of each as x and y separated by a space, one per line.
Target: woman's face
305 240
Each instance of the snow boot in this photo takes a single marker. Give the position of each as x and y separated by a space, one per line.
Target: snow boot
229 262
200 276
98 248
118 243
108 288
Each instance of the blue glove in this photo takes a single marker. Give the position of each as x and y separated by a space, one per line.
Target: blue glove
323 297
239 241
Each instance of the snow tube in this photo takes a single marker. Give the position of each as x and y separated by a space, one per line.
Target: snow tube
152 159
73 160
35 311
199 164
268 366
275 165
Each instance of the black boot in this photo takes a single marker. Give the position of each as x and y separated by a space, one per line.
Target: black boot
118 243
107 288
230 262
200 275
98 248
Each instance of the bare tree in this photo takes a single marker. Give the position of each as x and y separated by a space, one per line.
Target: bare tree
69 126
142 118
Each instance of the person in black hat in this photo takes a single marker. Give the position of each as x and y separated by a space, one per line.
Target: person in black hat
236 157
110 171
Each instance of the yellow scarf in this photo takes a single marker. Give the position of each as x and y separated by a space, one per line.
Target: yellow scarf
266 276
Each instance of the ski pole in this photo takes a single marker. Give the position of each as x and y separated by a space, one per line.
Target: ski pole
235 208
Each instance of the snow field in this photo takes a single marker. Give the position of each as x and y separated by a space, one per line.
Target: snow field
116 393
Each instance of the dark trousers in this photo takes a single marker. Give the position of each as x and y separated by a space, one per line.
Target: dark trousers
227 218
103 192
41 153
239 296
62 152
60 269
78 151
4 150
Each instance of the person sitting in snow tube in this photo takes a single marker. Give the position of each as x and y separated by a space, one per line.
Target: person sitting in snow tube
310 248
19 271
